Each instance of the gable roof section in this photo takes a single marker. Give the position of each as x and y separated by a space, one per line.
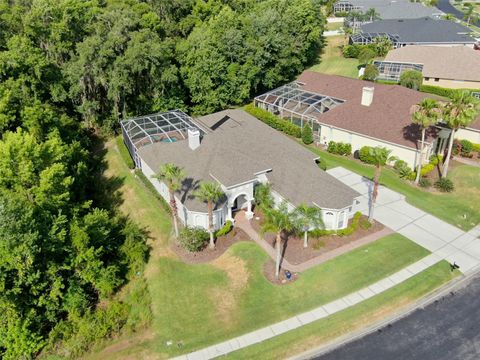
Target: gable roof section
446 62
242 146
387 118
423 30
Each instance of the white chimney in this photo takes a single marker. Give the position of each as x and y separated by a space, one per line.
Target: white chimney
367 95
193 138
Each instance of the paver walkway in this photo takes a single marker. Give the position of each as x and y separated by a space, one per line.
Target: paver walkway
442 239
244 224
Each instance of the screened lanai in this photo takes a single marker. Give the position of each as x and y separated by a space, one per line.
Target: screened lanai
167 127
299 106
365 38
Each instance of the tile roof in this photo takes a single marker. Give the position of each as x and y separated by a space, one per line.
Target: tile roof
241 147
446 62
388 118
422 30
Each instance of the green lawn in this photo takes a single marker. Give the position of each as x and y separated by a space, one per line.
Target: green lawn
188 313
332 61
334 26
459 208
360 315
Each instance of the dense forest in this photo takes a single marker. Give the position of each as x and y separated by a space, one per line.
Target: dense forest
69 70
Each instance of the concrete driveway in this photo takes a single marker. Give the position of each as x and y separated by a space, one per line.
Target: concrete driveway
442 239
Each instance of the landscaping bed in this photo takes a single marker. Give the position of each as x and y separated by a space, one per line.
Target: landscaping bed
222 244
295 253
269 273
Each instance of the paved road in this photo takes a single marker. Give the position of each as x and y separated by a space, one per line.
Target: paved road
446 7
446 329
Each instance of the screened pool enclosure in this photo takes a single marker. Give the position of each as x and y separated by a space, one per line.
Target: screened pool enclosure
299 106
169 126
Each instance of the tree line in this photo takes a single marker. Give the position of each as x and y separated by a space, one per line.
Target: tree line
69 70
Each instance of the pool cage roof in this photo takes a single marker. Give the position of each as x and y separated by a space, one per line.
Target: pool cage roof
366 37
160 127
391 70
291 97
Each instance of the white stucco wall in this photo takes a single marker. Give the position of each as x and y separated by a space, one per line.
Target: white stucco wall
357 141
187 217
468 134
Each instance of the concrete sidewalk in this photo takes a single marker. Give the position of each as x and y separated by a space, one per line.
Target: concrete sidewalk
442 239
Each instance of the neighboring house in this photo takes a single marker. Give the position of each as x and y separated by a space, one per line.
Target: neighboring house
357 112
471 133
386 9
456 67
423 31
239 152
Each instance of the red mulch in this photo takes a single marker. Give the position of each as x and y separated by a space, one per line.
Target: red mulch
206 255
269 272
295 253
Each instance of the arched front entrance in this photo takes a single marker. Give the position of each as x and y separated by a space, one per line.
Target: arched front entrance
241 202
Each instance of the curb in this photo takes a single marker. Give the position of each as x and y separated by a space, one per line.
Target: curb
451 286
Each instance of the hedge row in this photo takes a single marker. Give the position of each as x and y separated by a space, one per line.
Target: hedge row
274 121
339 148
140 175
124 153
437 90
342 232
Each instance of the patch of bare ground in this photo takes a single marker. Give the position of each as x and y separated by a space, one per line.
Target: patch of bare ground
222 244
269 273
295 253
225 299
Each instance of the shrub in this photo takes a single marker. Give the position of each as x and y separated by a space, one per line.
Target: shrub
457 147
434 160
322 165
351 51
193 238
365 224
307 135
274 121
411 79
467 148
436 90
365 155
476 147
399 165
426 169
124 153
424 183
412 176
339 148
444 185
366 55
342 232
225 229
370 73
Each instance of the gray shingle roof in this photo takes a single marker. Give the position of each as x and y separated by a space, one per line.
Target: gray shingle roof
423 30
241 147
401 9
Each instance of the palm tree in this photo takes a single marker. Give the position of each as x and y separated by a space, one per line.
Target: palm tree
308 217
210 193
425 114
381 156
469 13
281 222
372 14
172 175
263 196
459 112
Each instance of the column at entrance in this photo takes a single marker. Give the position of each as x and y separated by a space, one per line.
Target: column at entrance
249 212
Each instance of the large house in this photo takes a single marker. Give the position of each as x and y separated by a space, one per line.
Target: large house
456 67
239 152
422 31
357 112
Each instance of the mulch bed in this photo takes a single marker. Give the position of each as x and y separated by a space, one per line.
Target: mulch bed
206 255
295 253
269 272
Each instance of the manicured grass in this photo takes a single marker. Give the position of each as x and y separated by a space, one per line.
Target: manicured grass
332 61
360 315
193 304
334 26
459 208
